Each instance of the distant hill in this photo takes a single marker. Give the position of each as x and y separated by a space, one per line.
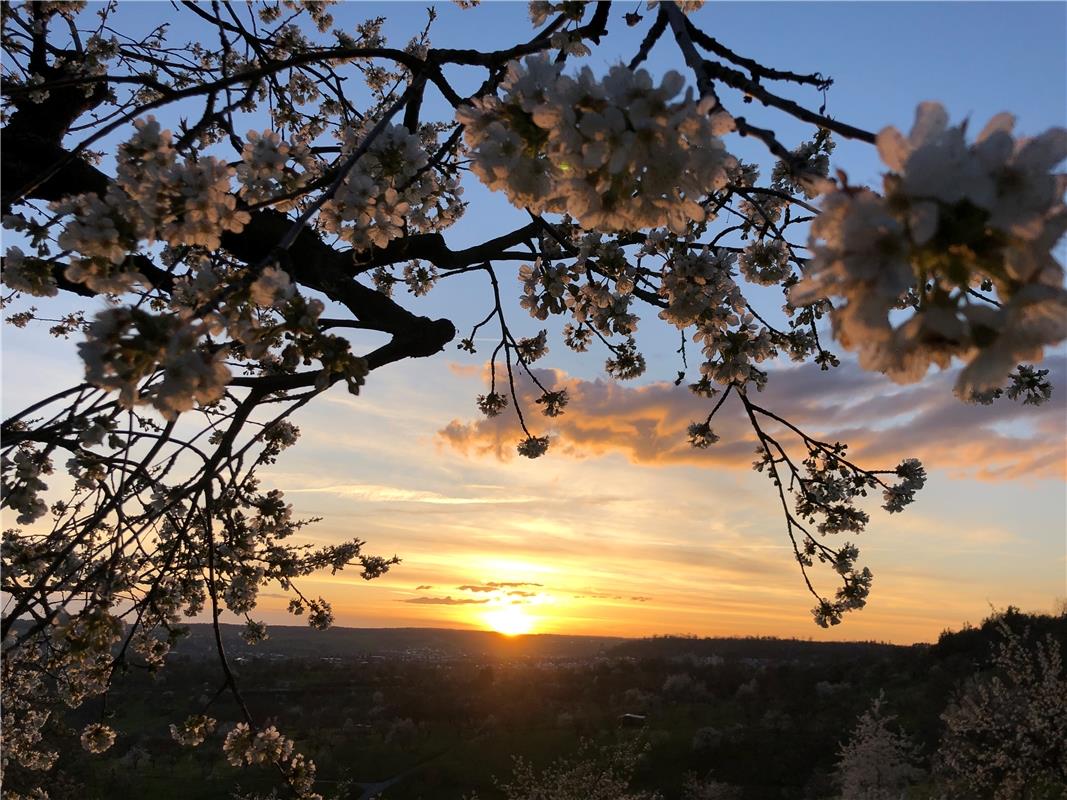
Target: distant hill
973 644
764 648
427 643
291 641
962 649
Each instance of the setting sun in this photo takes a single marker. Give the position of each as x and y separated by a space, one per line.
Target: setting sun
509 620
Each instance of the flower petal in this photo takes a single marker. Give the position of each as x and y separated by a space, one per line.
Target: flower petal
1002 122
893 148
931 119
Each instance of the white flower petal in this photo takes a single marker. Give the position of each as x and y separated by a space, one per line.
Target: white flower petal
931 120
1000 123
893 148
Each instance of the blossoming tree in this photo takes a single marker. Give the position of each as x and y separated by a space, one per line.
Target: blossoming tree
231 259
877 762
1004 730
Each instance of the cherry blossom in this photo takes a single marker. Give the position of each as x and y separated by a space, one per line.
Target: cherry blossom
952 216
616 154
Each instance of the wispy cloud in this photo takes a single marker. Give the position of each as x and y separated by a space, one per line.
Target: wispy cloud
375 493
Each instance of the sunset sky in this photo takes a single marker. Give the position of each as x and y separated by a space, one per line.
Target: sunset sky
622 528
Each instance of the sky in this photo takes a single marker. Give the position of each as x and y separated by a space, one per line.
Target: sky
623 529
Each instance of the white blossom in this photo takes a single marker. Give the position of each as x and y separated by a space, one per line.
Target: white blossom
543 287
616 154
577 338
97 737
154 198
126 345
765 262
193 731
913 478
953 215
265 172
271 288
388 189
878 762
699 286
27 274
1004 732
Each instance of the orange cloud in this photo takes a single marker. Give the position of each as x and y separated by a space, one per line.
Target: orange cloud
492 586
445 601
883 423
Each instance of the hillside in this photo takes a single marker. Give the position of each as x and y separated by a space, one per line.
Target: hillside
291 641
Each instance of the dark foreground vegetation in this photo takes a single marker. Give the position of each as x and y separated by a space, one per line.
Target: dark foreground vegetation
434 714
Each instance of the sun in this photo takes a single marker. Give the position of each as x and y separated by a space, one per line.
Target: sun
509 620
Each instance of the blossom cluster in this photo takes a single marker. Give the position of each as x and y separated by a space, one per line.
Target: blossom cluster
24 717
553 402
826 487
765 262
533 446
125 345
1004 731
269 746
389 191
701 435
616 154
577 338
532 348
700 290
877 761
265 172
176 359
954 218
155 198
732 353
22 484
699 287
603 301
543 287
24 273
254 632
153 650
628 363
594 304
492 404
97 737
73 660
913 478
193 731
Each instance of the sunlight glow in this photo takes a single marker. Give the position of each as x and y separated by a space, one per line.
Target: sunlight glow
509 620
